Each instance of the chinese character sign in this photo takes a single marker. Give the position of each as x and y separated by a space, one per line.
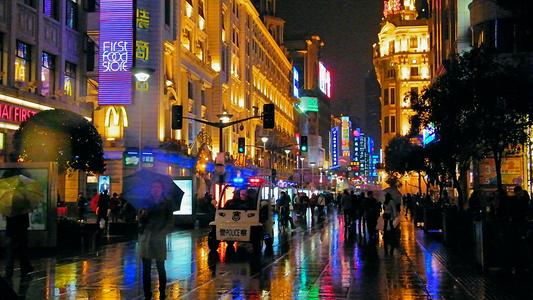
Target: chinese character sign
345 136
334 147
116 52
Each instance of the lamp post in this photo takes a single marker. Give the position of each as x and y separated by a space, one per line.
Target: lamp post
302 172
141 75
287 151
223 118
264 139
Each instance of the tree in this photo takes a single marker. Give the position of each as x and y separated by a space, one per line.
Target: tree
61 136
402 157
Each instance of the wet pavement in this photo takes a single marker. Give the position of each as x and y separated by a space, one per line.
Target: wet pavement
313 261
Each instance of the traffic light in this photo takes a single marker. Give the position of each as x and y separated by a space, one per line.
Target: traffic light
177 116
242 145
268 116
303 143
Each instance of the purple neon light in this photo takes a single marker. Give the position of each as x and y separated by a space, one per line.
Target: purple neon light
115 56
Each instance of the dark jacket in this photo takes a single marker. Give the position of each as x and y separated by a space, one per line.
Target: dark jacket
155 224
17 226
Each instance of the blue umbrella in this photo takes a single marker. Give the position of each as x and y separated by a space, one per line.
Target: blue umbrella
137 188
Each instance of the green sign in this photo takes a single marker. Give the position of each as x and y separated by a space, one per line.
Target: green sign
308 104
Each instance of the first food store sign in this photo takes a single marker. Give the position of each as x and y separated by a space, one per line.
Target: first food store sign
15 114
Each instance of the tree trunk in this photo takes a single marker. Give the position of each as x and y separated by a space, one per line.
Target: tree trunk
498 165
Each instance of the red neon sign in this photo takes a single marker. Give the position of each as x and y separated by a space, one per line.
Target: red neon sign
15 114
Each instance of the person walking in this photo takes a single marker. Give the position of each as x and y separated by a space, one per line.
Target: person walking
389 213
372 209
321 204
82 207
304 202
346 203
114 205
17 244
154 225
102 211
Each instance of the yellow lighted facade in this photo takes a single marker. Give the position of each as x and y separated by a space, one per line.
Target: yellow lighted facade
402 64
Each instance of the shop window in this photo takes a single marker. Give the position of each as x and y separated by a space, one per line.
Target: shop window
50 8
72 14
47 74
70 79
23 62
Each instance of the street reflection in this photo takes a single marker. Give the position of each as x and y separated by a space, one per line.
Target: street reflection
320 261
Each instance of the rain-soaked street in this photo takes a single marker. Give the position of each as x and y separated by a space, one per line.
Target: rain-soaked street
314 261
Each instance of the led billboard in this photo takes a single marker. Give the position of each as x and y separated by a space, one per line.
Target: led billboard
115 57
295 83
324 80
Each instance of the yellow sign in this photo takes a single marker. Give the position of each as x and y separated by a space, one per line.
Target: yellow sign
142 50
143 19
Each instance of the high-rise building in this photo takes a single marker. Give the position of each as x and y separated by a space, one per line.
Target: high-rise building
372 124
402 64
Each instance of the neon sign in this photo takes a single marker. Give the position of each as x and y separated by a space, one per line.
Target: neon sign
345 136
334 146
428 134
15 114
295 83
115 58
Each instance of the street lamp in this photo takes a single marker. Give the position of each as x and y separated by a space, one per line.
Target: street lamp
287 151
141 75
224 118
302 171
264 139
312 164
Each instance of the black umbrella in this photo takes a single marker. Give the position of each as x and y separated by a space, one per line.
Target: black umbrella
137 189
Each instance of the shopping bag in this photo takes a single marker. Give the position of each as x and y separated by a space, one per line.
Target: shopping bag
381 223
396 222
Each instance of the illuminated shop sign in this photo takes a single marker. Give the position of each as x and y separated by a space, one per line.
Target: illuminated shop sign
14 113
345 136
116 49
334 146
428 134
324 80
295 82
308 104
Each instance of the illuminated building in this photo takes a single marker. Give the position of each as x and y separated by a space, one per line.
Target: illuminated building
315 86
402 64
41 67
211 57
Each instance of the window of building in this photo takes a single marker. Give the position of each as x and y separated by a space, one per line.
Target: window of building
72 14
413 42
391 47
190 92
2 58
190 107
414 90
203 100
414 71
201 15
190 133
386 125
392 96
50 8
392 124
47 74
23 62
70 79
168 8
30 3
391 73
386 97
186 39
200 50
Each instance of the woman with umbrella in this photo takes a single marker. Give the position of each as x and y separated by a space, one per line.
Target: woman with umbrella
155 221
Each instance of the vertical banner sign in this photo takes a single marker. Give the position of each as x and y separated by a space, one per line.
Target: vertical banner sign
115 56
363 150
345 136
335 146
143 36
356 154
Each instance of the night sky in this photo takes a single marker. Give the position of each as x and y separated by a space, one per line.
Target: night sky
348 29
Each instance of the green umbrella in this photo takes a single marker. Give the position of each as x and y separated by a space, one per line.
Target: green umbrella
19 195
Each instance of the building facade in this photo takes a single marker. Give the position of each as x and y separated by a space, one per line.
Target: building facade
402 65
211 57
41 67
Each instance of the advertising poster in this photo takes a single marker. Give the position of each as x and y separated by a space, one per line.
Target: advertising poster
512 171
186 202
39 215
104 184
